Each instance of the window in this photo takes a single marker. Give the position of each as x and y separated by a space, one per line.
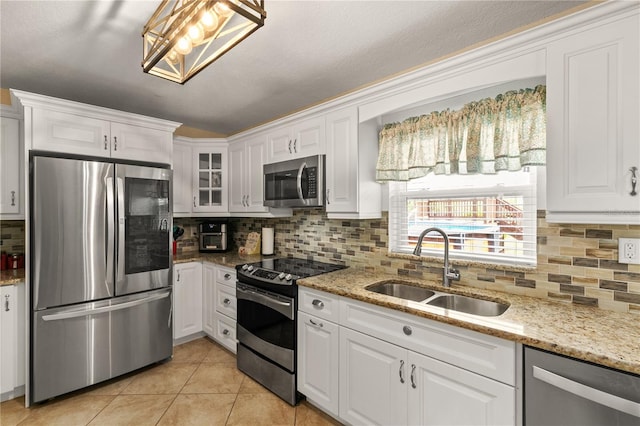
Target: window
488 218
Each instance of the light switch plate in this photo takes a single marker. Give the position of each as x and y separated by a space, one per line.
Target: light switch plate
629 250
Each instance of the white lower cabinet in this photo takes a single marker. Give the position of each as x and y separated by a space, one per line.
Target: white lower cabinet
219 306
369 365
12 335
187 299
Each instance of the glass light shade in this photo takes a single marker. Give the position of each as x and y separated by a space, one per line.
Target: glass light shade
173 57
196 34
209 20
184 46
222 8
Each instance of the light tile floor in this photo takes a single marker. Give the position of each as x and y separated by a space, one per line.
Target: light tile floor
199 386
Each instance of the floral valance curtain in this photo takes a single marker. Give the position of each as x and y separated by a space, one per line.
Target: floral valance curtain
507 132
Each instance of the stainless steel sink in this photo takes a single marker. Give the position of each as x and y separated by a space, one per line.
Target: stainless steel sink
469 305
401 290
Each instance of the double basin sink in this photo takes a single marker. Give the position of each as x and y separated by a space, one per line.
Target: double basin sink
455 302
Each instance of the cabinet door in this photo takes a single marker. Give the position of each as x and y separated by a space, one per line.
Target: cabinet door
11 161
237 173
62 132
372 381
8 336
182 177
208 299
593 97
441 394
318 361
210 179
309 137
280 145
342 161
129 142
255 150
187 299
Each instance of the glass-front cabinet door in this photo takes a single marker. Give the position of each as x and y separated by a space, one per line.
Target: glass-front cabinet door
210 179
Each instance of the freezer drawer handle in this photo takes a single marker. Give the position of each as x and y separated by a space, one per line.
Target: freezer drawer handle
595 395
119 306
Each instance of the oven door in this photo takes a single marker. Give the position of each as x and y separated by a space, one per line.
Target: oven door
266 324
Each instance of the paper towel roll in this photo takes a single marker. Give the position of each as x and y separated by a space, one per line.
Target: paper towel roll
267 241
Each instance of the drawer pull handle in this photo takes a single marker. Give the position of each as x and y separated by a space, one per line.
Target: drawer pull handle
413 376
401 371
13 198
226 301
407 330
105 141
317 324
634 181
115 143
6 302
318 304
225 332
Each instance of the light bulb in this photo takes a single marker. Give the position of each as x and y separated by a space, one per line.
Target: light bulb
183 46
222 8
172 57
196 34
209 20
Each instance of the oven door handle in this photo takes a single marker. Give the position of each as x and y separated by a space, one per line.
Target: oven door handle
285 308
299 183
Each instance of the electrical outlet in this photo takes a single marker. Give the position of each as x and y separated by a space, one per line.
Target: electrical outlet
629 250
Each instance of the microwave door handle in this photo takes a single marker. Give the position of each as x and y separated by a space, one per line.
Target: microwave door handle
300 170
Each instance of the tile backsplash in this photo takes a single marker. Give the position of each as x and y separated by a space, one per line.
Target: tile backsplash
576 263
12 236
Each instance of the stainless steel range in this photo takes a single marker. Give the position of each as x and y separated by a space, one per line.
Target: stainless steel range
267 315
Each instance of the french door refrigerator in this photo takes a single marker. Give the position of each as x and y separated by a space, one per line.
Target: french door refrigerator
101 268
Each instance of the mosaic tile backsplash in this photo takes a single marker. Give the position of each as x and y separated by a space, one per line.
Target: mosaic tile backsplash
576 263
12 236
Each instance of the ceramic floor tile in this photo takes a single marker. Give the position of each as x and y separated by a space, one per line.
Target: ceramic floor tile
261 409
113 387
251 386
167 378
199 409
194 351
76 410
214 378
13 412
308 415
136 410
217 354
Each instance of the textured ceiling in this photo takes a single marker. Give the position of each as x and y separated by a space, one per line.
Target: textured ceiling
308 51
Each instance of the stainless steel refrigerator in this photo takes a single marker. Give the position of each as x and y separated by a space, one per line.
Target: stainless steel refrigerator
101 268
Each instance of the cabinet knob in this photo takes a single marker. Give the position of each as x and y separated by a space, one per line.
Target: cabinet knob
407 330
13 198
634 181
226 301
318 304
225 332
6 302
115 143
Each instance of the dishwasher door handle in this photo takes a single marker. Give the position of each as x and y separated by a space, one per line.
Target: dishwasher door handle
587 392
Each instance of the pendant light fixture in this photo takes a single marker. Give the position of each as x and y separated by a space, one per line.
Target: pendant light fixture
184 36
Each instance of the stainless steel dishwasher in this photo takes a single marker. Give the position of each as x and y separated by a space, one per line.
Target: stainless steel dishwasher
563 391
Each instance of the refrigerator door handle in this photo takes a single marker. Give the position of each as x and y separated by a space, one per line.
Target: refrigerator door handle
110 231
121 220
110 308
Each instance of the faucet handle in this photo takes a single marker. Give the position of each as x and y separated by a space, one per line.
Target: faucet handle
453 274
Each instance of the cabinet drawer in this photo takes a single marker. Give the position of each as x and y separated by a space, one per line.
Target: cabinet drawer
226 300
483 354
226 276
318 303
225 332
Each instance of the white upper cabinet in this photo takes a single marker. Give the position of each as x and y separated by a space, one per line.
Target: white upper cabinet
593 129
300 139
210 178
352 149
246 187
11 169
182 177
70 127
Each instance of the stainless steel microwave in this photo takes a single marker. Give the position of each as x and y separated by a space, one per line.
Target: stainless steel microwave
295 183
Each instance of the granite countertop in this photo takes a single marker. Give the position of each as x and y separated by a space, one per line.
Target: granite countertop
229 259
592 334
11 276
